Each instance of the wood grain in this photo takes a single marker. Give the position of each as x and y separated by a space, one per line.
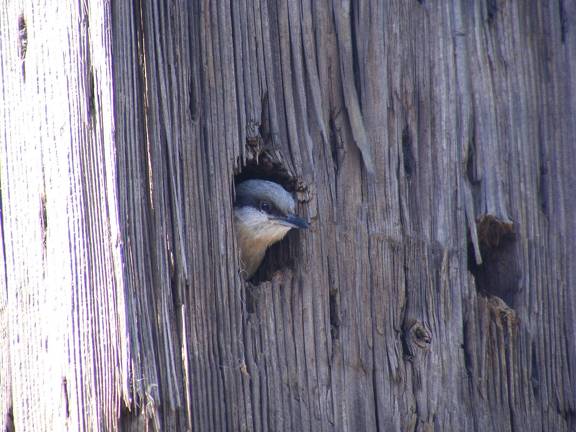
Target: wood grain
432 145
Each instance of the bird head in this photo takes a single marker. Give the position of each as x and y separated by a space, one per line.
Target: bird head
266 209
264 212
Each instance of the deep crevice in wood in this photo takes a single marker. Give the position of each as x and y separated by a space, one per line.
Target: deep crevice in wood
534 372
491 10
468 348
563 21
407 155
357 76
193 103
499 274
66 396
43 222
91 97
9 421
543 177
22 43
334 314
337 150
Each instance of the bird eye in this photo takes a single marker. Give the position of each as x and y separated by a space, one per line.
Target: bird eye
265 206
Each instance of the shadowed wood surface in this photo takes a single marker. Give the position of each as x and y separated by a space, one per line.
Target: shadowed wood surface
431 144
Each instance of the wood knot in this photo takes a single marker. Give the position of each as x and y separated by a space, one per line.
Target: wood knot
416 337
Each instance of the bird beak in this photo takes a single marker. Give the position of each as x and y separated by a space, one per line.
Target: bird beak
293 221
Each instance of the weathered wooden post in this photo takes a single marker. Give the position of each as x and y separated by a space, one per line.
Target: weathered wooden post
432 145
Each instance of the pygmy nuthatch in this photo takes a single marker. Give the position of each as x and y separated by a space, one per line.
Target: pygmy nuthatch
263 214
